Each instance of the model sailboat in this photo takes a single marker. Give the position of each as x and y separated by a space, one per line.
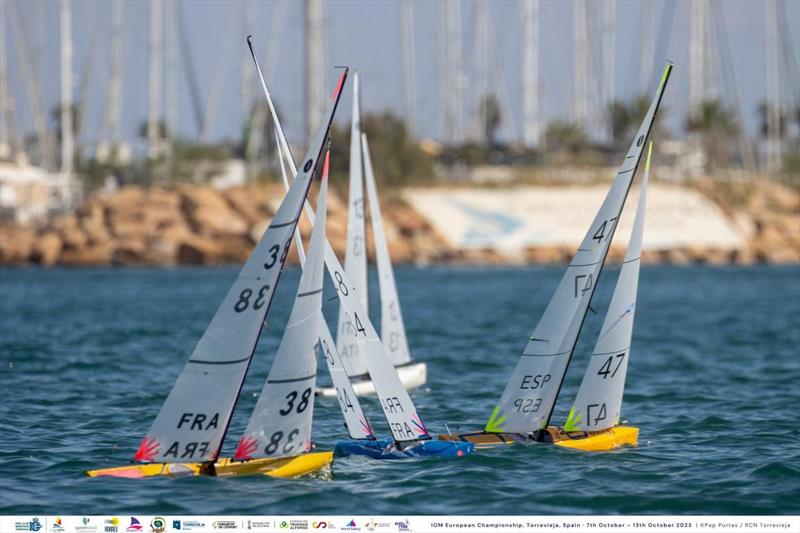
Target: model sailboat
410 438
526 406
187 436
393 334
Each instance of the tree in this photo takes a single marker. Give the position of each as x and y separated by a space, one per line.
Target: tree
396 156
716 125
625 117
565 136
491 118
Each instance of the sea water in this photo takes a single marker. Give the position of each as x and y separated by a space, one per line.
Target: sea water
88 356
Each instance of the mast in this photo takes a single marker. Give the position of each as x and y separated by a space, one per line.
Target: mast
315 52
33 89
212 104
648 45
530 72
67 145
450 91
773 146
481 65
171 70
109 137
5 145
154 80
407 49
609 62
580 73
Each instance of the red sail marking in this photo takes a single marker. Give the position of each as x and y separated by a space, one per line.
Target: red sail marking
338 88
326 165
147 449
247 445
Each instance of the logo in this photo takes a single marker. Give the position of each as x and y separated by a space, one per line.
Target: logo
371 525
188 525
351 526
224 524
57 525
260 524
111 525
158 524
135 525
284 525
319 525
33 525
403 526
86 527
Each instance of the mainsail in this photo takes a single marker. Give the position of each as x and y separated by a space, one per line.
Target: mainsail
599 399
528 400
281 421
356 422
393 331
355 259
194 418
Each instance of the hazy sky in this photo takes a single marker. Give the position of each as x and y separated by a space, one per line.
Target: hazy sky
366 35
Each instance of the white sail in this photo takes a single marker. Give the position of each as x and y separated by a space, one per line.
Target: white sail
599 399
400 412
397 406
528 400
194 418
356 422
281 421
393 331
355 259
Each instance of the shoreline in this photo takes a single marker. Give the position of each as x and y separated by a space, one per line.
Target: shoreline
198 225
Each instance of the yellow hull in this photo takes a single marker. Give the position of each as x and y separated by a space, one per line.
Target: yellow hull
595 441
601 441
284 467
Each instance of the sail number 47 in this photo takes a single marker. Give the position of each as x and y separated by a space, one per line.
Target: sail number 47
605 370
601 231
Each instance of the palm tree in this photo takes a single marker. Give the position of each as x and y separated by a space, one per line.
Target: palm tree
565 136
716 125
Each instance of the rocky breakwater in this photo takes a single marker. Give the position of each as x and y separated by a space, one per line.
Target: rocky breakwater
191 225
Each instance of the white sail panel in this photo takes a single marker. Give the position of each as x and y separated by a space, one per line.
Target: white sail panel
194 418
599 399
356 422
529 397
399 410
393 331
281 421
355 259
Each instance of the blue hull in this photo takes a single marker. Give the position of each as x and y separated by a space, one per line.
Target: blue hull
384 449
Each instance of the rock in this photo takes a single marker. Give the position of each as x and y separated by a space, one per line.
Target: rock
47 249
250 203
197 252
209 212
543 255
16 244
92 255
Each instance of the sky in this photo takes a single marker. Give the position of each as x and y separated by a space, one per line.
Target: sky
366 35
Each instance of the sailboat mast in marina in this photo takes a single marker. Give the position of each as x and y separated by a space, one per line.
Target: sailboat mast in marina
526 406
187 435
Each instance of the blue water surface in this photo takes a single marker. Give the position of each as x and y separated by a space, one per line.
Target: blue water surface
88 356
